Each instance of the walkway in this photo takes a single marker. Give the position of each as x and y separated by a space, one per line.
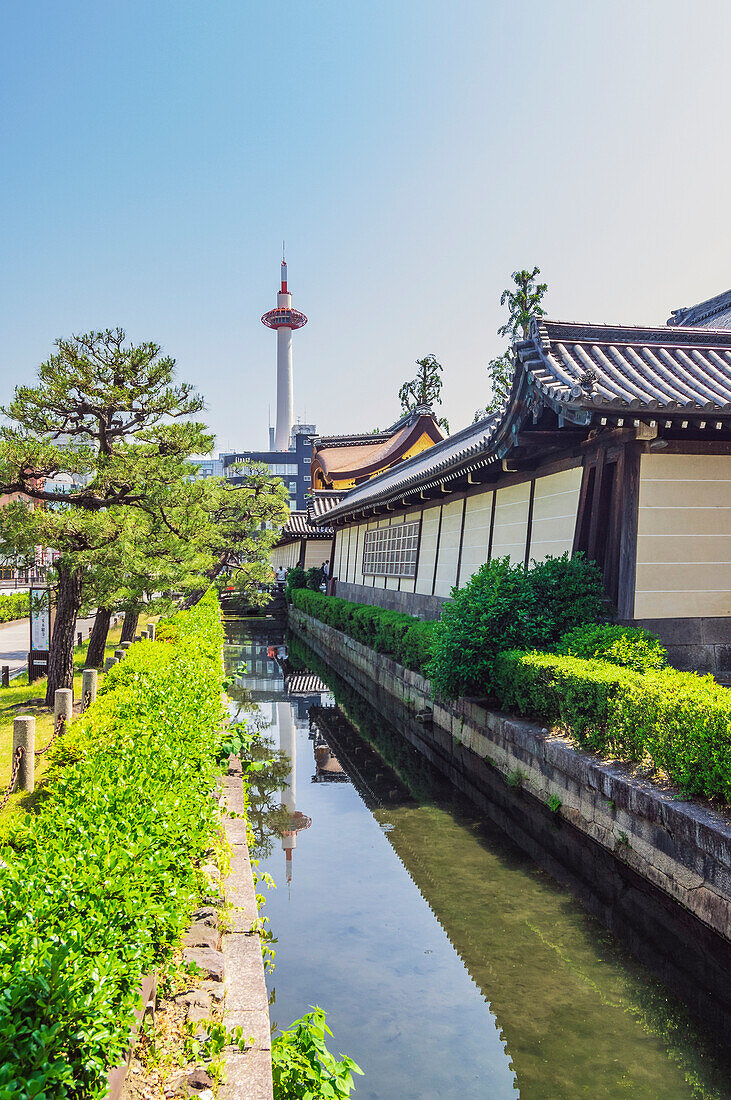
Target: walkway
15 639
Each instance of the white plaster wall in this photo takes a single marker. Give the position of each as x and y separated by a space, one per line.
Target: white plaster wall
684 536
427 551
448 548
476 534
555 505
284 555
511 522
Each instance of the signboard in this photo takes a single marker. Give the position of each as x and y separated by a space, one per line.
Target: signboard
40 618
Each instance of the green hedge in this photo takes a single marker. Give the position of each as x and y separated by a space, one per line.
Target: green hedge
13 606
406 639
96 888
678 721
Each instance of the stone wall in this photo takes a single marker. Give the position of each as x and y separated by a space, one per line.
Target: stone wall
679 848
411 603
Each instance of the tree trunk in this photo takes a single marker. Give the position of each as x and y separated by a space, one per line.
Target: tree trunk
98 640
61 656
129 626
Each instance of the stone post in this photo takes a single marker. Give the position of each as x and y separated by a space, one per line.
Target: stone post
119 654
24 736
151 631
109 662
124 646
63 707
88 687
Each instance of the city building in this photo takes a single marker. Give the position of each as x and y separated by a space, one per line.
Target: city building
293 465
615 441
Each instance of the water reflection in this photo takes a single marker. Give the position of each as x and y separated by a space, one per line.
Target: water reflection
451 965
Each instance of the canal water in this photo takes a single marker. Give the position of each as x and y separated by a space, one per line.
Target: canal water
449 963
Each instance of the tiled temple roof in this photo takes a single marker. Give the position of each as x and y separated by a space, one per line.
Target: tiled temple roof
583 377
321 501
299 527
713 313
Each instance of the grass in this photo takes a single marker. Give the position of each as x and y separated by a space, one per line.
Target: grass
24 698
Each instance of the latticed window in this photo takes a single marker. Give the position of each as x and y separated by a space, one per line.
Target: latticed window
391 551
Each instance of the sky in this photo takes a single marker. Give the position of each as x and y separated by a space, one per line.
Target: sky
154 154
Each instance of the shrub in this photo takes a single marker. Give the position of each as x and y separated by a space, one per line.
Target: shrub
302 1066
620 645
400 636
296 578
416 646
13 606
313 578
570 592
503 606
98 886
677 721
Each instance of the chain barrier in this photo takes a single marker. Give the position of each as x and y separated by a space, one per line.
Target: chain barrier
86 701
59 729
13 777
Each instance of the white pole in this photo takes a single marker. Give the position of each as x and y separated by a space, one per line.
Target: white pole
285 390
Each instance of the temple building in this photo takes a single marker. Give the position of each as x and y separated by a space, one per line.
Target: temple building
339 462
615 441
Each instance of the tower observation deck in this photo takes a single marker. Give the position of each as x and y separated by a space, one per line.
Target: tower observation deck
285 320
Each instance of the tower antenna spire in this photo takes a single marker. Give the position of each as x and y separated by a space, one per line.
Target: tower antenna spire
285 320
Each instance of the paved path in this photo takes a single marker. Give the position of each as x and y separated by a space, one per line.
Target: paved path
15 639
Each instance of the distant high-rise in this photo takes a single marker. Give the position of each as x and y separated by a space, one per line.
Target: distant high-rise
285 320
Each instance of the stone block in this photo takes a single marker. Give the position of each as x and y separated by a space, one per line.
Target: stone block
693 658
248 1076
209 961
201 934
255 1025
246 989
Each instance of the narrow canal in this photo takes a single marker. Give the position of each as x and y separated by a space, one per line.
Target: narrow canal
450 964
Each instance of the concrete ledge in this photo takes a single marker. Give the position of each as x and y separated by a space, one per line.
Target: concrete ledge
682 849
249 1074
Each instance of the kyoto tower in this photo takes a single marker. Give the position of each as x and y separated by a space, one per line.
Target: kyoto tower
284 319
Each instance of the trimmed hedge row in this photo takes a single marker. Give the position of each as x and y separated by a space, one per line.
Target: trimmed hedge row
679 721
13 606
96 888
406 639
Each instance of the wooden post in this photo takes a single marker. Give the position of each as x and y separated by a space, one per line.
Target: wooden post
88 687
6 676
79 638
24 736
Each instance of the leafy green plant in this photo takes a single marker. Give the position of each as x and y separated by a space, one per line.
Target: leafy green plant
296 578
516 778
99 885
13 606
625 646
313 578
554 804
503 606
302 1066
676 721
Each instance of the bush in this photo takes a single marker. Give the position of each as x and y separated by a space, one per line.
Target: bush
504 606
620 645
313 578
402 637
296 578
677 721
13 606
416 648
97 887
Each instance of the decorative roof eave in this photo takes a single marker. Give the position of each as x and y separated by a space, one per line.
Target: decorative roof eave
608 376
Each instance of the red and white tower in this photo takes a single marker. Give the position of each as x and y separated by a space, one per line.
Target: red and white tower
285 320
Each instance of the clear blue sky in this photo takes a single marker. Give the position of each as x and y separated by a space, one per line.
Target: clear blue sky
154 155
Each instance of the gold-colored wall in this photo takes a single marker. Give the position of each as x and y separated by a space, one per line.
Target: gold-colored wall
684 536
